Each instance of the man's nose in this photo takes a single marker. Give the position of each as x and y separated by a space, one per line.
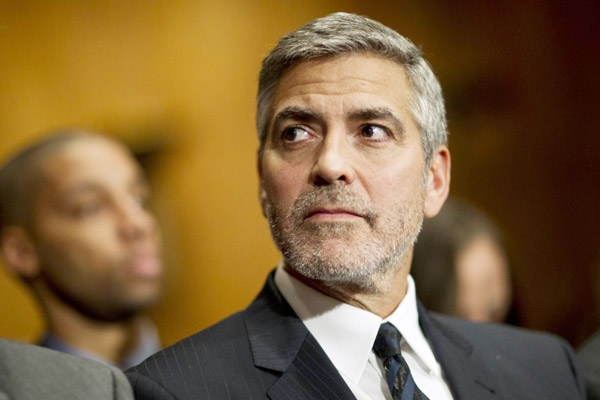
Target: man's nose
333 161
135 221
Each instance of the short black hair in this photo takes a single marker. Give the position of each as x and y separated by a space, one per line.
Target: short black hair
21 175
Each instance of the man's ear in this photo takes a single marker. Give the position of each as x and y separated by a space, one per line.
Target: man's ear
262 194
438 181
18 251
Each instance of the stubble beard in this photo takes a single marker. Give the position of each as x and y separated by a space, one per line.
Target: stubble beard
360 256
108 305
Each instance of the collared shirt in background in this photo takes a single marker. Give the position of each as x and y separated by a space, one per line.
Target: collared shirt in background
147 344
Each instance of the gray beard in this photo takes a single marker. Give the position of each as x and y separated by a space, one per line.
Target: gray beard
357 264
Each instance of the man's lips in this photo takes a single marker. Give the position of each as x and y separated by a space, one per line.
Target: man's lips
147 265
323 213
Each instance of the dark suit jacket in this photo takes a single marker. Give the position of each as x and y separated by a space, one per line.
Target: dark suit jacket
29 372
266 351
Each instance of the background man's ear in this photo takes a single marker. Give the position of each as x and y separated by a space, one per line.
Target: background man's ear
262 194
18 252
438 181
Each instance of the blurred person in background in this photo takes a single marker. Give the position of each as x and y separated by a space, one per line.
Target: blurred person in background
75 227
460 266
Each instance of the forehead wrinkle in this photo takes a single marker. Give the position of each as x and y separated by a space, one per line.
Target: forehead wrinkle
309 84
334 86
311 74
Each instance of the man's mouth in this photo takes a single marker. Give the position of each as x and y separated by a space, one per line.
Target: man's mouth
145 265
331 214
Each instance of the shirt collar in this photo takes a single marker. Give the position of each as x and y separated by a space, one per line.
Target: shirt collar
338 326
406 319
148 344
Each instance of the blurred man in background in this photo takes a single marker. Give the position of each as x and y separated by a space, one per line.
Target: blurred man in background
75 227
460 266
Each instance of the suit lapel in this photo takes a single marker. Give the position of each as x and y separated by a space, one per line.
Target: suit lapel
468 378
280 342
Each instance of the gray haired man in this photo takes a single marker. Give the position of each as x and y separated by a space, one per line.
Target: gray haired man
352 157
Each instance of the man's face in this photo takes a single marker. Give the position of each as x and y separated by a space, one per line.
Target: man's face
483 281
342 172
96 242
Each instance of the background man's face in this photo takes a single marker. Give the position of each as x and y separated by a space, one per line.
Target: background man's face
97 244
342 169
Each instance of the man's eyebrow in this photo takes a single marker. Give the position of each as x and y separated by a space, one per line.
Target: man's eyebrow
380 113
296 113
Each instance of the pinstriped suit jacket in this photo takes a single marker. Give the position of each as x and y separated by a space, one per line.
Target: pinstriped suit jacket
265 352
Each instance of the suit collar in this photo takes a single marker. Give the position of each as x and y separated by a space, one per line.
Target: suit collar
469 379
280 342
275 332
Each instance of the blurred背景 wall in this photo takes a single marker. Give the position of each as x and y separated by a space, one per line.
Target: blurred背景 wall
176 80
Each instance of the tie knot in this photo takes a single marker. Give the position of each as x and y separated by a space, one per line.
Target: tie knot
387 342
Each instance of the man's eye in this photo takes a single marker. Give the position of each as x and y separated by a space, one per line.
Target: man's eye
86 209
374 132
143 200
295 134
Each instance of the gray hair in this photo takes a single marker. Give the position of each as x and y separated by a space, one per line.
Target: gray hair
343 33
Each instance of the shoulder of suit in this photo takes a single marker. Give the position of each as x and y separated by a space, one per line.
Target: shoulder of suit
223 333
23 353
30 370
494 334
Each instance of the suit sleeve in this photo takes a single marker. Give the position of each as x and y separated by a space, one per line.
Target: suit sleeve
145 388
121 387
578 375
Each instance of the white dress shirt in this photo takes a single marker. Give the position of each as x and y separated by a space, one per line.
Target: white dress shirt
347 333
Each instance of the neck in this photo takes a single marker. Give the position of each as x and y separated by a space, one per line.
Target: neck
108 340
391 289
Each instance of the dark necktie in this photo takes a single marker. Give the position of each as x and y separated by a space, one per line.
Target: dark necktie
399 379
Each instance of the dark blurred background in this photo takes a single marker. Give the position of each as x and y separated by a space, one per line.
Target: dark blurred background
176 81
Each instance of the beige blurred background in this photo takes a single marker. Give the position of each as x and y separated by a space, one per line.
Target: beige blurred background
176 81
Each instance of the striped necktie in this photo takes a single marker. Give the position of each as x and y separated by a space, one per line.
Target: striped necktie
398 376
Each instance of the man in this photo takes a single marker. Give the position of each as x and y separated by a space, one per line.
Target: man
30 372
352 157
75 227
